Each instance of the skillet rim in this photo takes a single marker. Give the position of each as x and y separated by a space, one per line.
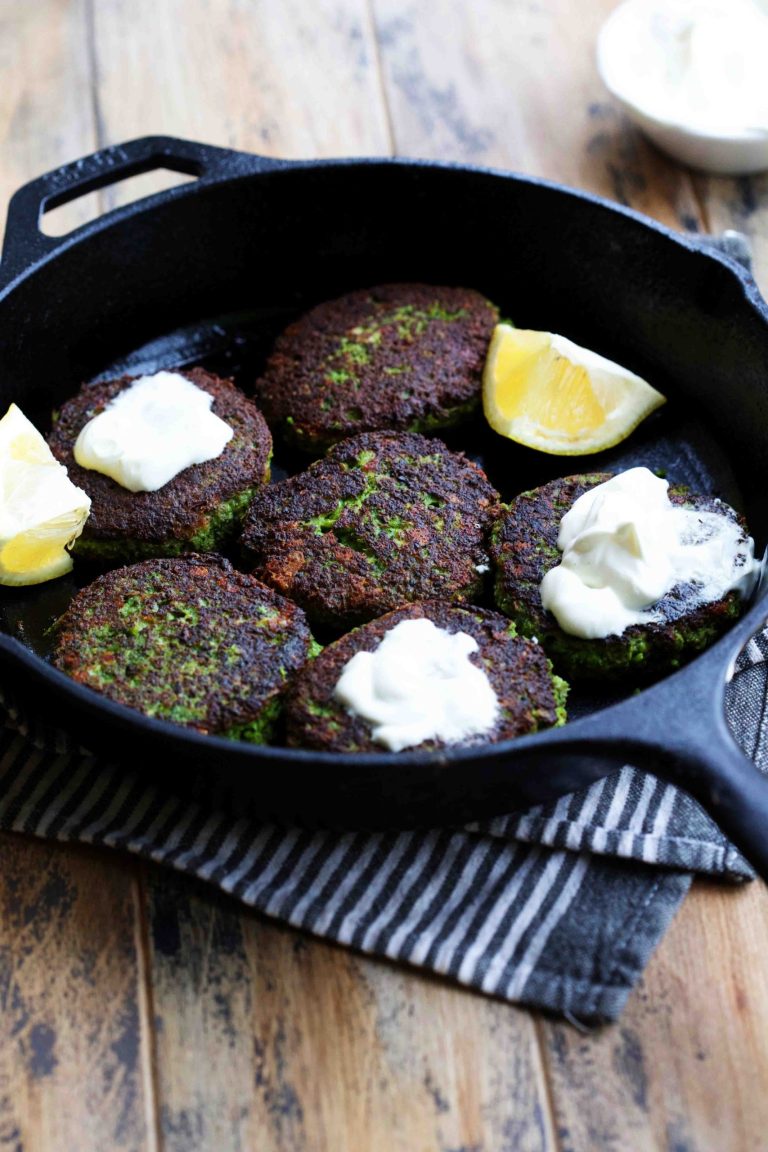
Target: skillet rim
238 166
230 167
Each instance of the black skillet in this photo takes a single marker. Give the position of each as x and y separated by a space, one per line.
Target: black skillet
211 270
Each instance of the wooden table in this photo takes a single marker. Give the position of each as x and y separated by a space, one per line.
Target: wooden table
142 1011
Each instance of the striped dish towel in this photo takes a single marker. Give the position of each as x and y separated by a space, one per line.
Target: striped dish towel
559 907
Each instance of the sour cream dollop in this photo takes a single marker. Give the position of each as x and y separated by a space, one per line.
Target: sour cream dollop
151 431
625 546
697 63
419 684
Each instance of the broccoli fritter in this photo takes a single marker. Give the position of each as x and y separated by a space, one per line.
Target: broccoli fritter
382 521
401 357
529 696
197 511
189 640
524 547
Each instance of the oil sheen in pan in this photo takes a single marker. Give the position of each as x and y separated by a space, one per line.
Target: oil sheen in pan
235 345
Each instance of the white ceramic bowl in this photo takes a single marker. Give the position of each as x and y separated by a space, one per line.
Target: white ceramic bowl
731 154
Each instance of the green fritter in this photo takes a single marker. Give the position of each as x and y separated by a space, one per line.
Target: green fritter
189 640
530 696
524 548
384 520
402 357
199 510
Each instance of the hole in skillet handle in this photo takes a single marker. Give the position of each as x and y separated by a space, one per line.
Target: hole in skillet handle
64 218
183 162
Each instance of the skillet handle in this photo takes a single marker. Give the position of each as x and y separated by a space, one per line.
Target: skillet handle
25 244
734 245
677 730
734 249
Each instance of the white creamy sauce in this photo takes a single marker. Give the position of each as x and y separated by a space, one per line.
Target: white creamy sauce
697 63
419 684
152 431
625 546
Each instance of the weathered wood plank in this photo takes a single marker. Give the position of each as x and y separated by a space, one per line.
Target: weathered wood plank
74 1050
516 85
288 79
686 1067
74 1059
266 1039
46 101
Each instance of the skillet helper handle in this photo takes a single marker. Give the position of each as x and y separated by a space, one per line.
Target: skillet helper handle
678 731
25 244
732 244
735 249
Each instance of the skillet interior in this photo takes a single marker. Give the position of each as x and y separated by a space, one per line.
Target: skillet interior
212 272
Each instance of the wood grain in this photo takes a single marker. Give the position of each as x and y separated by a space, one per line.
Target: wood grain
685 1068
288 79
73 1045
46 110
516 85
267 1039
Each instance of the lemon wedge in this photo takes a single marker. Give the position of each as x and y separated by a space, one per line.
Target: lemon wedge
41 511
546 392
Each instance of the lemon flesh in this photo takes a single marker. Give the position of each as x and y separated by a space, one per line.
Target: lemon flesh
544 391
41 511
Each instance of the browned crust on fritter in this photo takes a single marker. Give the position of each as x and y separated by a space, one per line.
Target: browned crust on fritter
328 377
183 506
517 669
524 548
188 639
382 521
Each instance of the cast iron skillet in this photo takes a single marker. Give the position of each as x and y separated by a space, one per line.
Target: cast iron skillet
211 270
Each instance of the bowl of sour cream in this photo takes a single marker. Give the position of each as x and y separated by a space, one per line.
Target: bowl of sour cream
693 75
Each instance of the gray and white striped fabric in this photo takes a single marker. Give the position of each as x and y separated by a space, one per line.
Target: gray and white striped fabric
558 907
